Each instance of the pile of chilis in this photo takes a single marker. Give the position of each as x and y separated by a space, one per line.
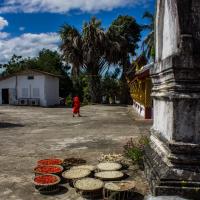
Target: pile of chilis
47 169
50 162
45 179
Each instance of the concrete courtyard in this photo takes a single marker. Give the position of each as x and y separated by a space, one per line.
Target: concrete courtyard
28 134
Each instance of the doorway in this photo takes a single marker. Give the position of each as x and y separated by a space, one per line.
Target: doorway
5 96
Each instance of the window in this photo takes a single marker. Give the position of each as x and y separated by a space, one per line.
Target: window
36 92
30 77
25 92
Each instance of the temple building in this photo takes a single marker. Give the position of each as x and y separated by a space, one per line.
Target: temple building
140 89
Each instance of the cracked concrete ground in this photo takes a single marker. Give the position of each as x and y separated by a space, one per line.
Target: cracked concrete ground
28 134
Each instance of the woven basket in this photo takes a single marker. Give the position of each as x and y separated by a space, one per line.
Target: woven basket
53 161
74 174
122 190
70 162
118 158
109 175
47 188
89 167
89 188
109 166
37 172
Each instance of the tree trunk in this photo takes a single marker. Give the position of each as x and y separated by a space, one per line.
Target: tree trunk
125 91
95 89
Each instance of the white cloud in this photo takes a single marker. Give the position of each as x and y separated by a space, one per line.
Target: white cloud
27 45
3 23
4 35
21 28
63 6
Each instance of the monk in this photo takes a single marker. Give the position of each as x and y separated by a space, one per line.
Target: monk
76 106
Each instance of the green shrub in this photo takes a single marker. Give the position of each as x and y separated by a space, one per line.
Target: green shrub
68 101
134 149
134 154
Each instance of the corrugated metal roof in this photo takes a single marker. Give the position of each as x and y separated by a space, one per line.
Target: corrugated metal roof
28 71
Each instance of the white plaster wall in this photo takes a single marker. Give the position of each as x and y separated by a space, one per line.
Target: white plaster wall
48 88
157 30
167 29
7 84
37 82
51 90
139 108
163 118
170 29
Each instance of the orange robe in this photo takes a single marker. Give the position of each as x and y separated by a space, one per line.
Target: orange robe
76 105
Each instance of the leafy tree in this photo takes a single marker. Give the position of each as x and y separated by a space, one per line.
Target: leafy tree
51 61
148 43
111 85
18 63
123 35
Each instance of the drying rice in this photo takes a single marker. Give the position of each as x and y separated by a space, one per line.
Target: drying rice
109 166
76 173
89 184
120 186
109 175
89 167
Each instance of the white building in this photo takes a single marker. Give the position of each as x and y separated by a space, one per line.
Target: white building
30 87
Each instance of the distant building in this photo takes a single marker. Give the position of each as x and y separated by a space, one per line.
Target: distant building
30 87
140 88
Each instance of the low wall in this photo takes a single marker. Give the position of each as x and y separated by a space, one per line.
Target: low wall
141 110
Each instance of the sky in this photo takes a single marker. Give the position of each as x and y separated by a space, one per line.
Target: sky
28 26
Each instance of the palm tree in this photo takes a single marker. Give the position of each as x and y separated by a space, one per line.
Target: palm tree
148 43
93 52
85 51
71 47
123 34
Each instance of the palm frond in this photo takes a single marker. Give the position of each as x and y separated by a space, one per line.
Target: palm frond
148 15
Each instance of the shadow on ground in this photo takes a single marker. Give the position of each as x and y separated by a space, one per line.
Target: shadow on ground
62 190
9 125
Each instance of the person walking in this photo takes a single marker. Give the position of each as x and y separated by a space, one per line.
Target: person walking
76 106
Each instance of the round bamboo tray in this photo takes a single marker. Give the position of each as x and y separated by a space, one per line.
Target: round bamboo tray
51 161
45 187
122 190
89 184
70 162
89 167
74 174
109 175
118 158
109 166
89 188
111 158
48 169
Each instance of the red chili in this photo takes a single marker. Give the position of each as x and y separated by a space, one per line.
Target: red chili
50 162
45 169
45 179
